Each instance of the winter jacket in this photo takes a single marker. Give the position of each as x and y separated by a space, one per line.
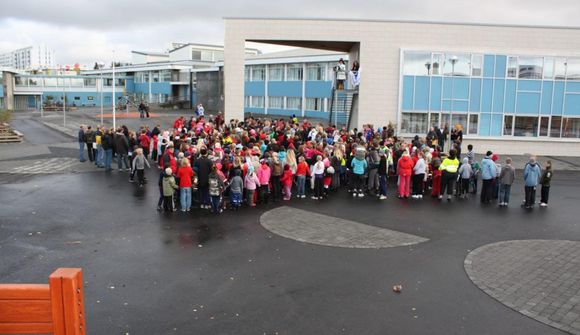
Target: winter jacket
169 186
449 165
507 175
107 141
251 181
358 166
216 185
405 166
185 175
287 178
420 167
465 170
90 136
532 174
139 162
302 169
488 169
202 168
237 184
264 174
121 144
546 178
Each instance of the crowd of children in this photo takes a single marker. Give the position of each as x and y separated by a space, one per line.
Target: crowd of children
216 164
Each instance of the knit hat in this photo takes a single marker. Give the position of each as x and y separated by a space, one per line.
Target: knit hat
168 171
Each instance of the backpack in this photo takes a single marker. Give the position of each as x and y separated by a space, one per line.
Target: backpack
214 187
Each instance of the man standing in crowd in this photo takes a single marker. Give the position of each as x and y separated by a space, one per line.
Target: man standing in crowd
81 138
488 174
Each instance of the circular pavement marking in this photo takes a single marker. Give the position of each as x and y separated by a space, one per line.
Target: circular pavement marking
310 227
538 278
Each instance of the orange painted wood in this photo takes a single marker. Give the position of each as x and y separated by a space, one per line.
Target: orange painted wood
71 281
25 328
22 311
24 292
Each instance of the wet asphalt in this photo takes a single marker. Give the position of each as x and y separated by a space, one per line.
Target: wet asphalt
195 273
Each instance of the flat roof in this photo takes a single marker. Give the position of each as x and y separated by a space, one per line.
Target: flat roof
459 23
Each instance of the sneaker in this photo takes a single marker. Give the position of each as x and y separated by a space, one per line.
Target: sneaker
354 194
183 210
543 204
420 196
448 198
314 198
440 197
131 181
414 196
360 195
382 197
303 196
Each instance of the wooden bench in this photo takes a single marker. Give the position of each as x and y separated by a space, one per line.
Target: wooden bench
54 308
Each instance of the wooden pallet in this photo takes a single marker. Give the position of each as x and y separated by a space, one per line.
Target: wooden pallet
8 135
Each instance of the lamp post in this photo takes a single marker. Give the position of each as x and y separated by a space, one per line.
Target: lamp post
63 103
453 61
101 65
428 66
114 105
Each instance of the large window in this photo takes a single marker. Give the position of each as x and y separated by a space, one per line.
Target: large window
275 102
544 125
417 63
294 72
165 75
459 120
414 123
258 73
508 125
473 124
257 102
476 65
530 67
316 71
512 67
571 128
560 68
247 70
155 76
247 100
556 126
276 73
573 69
549 68
314 104
293 103
526 126
457 65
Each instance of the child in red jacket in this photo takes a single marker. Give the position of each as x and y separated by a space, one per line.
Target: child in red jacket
286 181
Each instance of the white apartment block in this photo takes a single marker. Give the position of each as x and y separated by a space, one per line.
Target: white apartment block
29 58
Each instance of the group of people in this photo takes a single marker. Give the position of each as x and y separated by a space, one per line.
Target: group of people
221 164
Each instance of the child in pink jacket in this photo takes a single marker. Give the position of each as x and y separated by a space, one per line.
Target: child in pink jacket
264 177
251 182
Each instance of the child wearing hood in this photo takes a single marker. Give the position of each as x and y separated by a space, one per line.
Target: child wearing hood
236 189
465 173
251 182
169 187
532 174
506 179
216 187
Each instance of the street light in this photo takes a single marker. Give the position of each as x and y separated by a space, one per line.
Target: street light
428 66
453 61
100 66
114 105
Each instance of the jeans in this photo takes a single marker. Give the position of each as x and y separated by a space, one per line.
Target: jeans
447 181
318 182
545 194
235 199
100 156
486 190
122 160
108 158
530 195
504 193
418 183
383 184
358 182
276 188
373 180
301 180
204 195
82 151
185 198
215 203
250 197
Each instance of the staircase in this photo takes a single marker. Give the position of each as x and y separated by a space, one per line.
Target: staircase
342 105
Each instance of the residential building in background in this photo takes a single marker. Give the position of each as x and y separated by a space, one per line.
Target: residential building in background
29 58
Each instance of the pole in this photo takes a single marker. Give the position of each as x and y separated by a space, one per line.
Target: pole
63 104
41 106
114 105
101 88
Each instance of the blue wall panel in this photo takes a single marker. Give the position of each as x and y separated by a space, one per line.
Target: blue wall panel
488 65
460 88
475 99
316 114
285 89
421 93
254 110
558 102
510 96
498 96
130 84
285 112
573 86
318 89
446 105
546 108
528 103
496 124
530 85
487 96
84 98
484 124
500 66
436 83
447 81
460 105
408 87
572 106
254 88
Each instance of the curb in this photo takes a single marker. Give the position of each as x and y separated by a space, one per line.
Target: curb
61 129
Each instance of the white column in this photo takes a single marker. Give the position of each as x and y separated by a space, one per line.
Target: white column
234 75
303 104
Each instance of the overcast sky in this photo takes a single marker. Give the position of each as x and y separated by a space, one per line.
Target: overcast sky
82 31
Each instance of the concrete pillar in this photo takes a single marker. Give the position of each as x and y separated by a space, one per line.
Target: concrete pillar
234 76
